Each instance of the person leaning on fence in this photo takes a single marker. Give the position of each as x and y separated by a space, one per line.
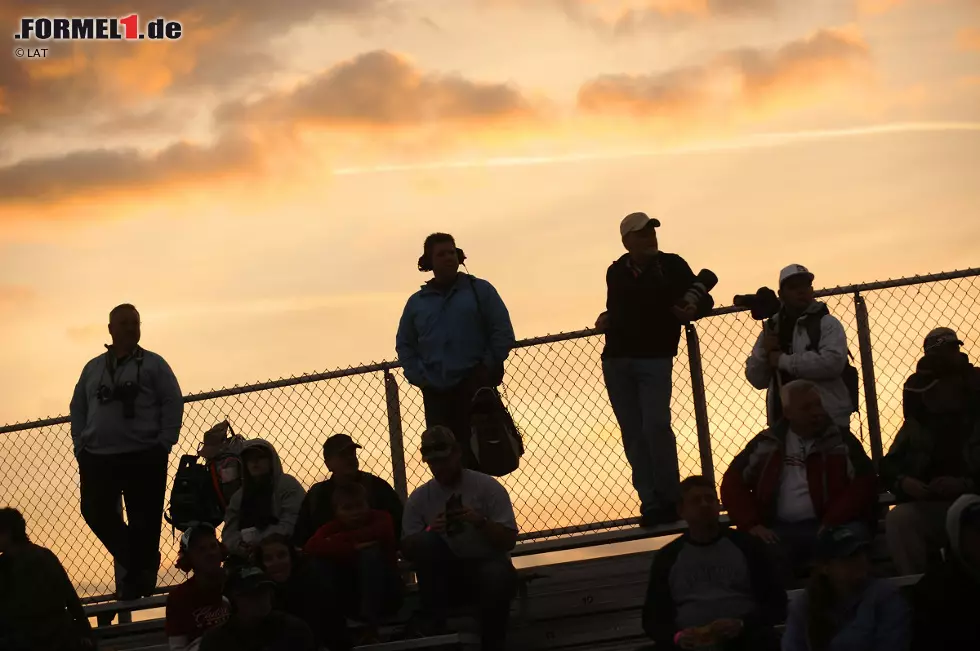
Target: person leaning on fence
126 414
453 339
39 608
268 501
798 477
340 457
459 530
843 607
198 604
935 456
785 349
254 625
304 592
713 587
946 600
642 325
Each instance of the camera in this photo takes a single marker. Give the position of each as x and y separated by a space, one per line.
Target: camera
763 305
454 526
704 282
125 393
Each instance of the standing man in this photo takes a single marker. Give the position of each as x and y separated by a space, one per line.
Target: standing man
453 339
642 324
803 341
126 414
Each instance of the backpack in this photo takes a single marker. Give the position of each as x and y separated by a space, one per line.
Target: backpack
193 497
850 374
496 442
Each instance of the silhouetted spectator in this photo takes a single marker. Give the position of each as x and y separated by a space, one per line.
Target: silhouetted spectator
361 552
453 339
254 625
935 457
304 592
126 413
459 530
642 324
39 608
785 352
843 607
713 587
797 477
946 600
267 503
198 604
340 457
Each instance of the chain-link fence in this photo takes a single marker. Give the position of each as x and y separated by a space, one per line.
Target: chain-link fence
574 475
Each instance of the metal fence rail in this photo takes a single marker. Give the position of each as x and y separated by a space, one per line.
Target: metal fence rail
574 475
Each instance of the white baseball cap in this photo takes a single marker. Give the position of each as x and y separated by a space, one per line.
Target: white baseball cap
636 221
792 271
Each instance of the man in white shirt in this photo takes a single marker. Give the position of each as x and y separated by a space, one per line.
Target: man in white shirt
458 531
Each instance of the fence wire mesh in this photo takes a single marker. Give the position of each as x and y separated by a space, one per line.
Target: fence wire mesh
574 472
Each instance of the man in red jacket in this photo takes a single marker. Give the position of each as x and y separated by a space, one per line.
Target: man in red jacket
795 478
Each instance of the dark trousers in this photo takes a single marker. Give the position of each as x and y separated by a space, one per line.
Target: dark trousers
140 478
368 587
446 579
792 556
451 407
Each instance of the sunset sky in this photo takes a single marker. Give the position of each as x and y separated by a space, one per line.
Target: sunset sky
260 189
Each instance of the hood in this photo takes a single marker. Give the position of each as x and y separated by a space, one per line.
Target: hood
954 517
271 449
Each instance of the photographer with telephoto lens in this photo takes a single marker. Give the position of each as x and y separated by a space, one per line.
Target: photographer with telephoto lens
801 340
126 413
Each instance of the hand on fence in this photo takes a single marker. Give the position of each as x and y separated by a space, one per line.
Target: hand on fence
602 322
767 536
686 313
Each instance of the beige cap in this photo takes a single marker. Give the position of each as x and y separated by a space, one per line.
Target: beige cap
636 221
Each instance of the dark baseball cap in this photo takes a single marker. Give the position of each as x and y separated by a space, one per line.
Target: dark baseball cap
338 443
247 579
438 442
841 541
194 531
939 337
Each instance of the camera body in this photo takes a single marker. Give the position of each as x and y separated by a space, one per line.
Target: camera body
764 304
454 526
703 283
125 393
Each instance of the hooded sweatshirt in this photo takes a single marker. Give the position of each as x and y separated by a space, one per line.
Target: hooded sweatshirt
946 599
159 406
824 366
269 506
444 335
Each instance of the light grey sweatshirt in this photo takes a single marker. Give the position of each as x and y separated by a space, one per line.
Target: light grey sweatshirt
102 428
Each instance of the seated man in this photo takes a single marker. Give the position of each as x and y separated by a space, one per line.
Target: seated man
340 457
803 474
254 625
459 529
947 599
39 608
935 457
713 586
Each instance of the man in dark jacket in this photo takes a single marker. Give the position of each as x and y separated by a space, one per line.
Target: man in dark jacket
254 625
340 457
645 309
947 599
797 477
39 608
453 339
935 457
713 585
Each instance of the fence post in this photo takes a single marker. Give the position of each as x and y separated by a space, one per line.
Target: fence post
868 377
395 433
700 401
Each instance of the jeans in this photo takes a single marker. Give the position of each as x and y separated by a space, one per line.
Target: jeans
445 579
141 479
639 392
451 408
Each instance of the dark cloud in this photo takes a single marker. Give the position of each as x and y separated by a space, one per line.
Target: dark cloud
737 80
384 90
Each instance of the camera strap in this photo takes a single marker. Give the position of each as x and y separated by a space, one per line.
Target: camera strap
112 364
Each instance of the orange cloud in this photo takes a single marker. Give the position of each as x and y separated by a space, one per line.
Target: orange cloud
15 296
627 16
968 38
740 81
876 7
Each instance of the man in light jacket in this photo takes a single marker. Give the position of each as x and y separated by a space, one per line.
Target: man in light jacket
785 352
126 414
453 338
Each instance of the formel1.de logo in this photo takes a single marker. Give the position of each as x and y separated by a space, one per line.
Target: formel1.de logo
128 28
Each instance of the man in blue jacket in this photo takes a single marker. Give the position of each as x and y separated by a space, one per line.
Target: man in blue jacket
126 414
453 338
